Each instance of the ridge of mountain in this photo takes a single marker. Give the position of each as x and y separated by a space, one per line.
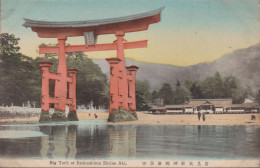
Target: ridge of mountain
244 64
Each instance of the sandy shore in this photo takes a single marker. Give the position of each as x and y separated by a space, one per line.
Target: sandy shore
144 118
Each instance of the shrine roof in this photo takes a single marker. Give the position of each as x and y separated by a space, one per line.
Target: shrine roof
88 23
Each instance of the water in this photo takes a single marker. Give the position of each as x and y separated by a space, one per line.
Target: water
95 139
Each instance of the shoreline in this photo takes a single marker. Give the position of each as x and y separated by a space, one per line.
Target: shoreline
151 119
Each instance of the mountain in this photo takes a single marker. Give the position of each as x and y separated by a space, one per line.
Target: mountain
244 64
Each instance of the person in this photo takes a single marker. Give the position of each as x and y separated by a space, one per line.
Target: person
203 116
95 115
89 114
199 114
252 117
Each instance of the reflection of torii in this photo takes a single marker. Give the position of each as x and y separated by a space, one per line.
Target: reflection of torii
122 142
62 145
122 78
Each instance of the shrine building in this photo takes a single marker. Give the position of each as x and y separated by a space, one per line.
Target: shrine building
209 106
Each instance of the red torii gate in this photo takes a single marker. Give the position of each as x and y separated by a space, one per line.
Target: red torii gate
122 78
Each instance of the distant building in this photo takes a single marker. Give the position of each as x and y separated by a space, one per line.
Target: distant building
210 106
158 109
179 109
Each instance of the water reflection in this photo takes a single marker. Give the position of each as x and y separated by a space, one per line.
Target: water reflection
122 141
189 142
72 136
61 142
97 140
92 141
44 146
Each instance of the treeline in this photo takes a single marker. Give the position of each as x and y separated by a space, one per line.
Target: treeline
20 82
214 87
20 79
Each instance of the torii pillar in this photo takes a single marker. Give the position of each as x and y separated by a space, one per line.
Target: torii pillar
114 97
45 67
122 90
122 80
61 83
72 116
131 74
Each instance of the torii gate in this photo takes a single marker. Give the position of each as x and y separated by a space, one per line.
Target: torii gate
122 78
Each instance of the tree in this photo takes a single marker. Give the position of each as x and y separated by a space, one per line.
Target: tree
218 86
213 87
144 87
141 104
166 93
188 84
229 87
195 91
8 45
91 81
239 95
154 96
180 95
143 95
16 72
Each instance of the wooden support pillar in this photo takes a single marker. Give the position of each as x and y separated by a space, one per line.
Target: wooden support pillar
61 83
120 45
132 87
123 88
45 72
114 97
72 72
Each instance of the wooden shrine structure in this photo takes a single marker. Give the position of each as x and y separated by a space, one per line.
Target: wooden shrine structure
122 78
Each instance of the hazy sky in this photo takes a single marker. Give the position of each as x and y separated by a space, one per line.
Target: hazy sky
190 31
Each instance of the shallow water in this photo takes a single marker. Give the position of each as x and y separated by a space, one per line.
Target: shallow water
95 139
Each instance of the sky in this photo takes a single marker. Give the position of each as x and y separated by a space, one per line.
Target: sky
190 31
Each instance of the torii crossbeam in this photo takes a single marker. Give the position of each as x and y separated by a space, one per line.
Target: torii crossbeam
122 78
97 47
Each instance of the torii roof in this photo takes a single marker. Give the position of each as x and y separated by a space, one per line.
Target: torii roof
130 23
35 23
